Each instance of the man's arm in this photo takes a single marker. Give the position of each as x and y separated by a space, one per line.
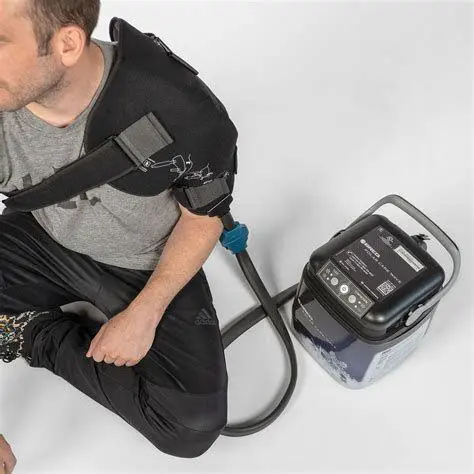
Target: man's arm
189 245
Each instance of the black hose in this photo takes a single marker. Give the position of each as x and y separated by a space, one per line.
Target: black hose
269 307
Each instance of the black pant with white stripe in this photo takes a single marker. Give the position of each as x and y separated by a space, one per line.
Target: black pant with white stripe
176 396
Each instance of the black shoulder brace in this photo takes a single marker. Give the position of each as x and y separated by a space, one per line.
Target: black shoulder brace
154 125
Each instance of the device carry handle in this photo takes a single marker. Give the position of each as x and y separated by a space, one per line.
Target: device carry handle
440 235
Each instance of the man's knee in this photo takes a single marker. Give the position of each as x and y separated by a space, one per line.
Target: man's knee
195 420
190 443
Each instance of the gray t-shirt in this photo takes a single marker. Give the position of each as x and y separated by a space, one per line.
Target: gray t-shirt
109 225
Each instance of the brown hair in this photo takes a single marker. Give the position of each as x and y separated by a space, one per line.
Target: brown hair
48 16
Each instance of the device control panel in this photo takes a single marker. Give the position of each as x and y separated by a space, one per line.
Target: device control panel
345 290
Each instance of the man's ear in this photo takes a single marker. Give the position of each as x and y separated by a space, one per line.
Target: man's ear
70 43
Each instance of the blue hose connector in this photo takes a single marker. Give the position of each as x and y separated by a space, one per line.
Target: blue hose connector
235 239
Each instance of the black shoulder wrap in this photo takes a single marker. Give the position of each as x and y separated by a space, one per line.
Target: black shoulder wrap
178 133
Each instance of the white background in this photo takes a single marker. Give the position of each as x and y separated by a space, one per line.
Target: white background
337 105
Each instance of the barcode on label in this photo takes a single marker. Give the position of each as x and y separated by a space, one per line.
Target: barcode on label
386 287
409 258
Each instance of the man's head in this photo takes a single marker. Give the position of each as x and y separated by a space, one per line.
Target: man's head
40 41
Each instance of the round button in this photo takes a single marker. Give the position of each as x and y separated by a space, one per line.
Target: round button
344 289
334 281
352 299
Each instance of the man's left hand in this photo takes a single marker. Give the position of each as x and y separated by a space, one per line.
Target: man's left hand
124 339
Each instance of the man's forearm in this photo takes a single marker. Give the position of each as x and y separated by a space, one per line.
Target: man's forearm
188 247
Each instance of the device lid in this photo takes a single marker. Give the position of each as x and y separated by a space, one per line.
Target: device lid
373 274
439 234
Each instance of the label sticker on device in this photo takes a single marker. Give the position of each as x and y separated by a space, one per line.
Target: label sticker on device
409 258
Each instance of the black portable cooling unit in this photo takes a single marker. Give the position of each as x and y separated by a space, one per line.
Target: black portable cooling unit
367 297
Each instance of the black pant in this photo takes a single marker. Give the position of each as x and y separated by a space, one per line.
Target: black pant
176 396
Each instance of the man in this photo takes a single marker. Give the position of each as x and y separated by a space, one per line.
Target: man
158 362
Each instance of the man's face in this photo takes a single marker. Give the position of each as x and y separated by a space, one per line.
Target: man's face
24 77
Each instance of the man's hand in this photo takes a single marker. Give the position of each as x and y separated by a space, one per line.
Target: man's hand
126 338
7 458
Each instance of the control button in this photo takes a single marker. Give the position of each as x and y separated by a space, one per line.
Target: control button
344 289
352 299
334 281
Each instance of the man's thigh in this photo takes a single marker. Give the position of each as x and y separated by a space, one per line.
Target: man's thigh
184 372
187 352
36 272
188 341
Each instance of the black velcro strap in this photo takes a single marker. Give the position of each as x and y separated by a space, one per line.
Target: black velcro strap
143 139
114 158
201 195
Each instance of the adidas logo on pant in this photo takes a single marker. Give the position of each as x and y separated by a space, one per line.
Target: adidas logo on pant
204 318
